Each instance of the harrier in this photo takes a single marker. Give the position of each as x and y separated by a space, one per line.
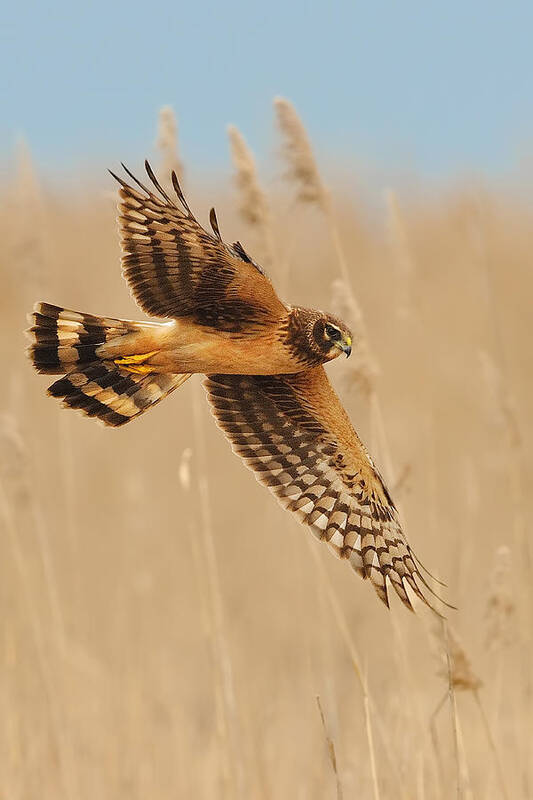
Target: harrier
265 382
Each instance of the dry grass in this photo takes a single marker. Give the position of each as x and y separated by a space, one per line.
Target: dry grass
167 145
253 204
166 631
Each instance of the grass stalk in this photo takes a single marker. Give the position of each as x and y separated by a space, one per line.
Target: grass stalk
222 653
371 713
331 750
492 744
453 712
57 717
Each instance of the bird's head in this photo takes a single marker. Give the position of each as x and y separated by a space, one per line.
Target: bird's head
331 337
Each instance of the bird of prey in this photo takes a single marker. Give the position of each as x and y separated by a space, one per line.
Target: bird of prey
265 383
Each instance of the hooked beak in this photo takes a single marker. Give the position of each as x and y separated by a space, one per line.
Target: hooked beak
345 346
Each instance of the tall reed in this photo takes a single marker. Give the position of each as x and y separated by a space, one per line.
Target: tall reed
253 204
168 146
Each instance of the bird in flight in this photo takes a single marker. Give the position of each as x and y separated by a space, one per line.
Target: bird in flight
265 383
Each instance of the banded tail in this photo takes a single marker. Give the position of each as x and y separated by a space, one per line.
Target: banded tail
115 390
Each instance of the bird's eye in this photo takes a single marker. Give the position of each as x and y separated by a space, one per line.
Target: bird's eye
332 333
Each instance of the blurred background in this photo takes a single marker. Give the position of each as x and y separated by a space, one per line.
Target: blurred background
167 630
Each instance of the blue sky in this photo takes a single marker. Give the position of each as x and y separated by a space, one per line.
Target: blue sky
437 87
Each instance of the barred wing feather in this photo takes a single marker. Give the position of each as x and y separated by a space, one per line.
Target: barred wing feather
294 433
175 268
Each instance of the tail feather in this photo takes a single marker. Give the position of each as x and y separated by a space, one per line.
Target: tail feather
103 390
66 343
62 338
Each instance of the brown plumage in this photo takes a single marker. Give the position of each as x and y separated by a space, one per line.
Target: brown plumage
266 384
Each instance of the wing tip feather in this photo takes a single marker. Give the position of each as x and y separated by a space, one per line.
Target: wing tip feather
153 178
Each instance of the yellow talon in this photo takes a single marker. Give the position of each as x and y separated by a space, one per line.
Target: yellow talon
135 363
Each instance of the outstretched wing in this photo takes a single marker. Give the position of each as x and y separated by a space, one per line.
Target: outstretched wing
176 269
293 432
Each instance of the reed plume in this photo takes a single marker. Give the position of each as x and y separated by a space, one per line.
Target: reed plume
454 663
167 145
298 154
253 204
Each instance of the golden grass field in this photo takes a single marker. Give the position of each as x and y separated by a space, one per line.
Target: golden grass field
166 627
